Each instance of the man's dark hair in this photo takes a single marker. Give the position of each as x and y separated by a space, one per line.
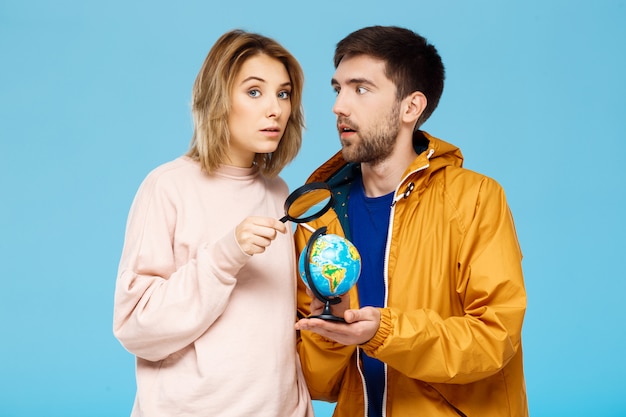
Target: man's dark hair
411 63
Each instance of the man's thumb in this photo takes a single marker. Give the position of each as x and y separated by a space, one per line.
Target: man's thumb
350 316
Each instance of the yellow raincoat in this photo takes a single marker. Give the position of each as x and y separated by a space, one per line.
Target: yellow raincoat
450 332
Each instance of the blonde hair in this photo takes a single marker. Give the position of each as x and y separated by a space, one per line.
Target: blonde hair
211 101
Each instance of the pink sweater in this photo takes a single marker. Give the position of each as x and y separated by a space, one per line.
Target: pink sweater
211 327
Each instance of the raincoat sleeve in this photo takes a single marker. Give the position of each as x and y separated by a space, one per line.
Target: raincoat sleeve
324 362
164 302
480 341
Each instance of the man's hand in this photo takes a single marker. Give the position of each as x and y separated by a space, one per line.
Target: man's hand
360 326
317 306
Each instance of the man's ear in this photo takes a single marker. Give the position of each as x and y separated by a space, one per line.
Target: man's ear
414 105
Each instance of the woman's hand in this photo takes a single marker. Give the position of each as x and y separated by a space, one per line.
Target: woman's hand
254 234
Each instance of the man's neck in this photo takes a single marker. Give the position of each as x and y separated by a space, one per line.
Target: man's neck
383 177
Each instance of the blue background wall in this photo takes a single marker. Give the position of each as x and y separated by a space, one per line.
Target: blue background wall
93 95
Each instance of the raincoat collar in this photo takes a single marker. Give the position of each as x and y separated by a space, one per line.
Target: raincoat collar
433 154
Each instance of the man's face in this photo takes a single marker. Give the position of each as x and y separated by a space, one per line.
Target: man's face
368 112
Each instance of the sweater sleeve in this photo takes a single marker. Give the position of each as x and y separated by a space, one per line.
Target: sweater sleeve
163 304
473 345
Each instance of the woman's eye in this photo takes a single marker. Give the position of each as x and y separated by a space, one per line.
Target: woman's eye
254 93
284 95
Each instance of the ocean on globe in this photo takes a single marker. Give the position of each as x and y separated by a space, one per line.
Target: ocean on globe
335 265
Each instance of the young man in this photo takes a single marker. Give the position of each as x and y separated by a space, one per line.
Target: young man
433 327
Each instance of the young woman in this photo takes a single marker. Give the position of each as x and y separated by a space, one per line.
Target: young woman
205 294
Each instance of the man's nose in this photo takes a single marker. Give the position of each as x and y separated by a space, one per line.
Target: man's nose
340 108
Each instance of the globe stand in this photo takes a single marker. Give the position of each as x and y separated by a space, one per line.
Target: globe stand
326 313
328 301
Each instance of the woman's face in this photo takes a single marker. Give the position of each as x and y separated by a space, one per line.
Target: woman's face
260 109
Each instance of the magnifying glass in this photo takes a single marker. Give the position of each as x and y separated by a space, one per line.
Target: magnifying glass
308 202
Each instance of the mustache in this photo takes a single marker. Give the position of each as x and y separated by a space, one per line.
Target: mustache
345 121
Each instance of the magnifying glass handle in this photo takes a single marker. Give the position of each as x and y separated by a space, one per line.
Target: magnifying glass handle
306 226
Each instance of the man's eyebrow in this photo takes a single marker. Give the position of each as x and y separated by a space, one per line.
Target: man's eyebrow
353 81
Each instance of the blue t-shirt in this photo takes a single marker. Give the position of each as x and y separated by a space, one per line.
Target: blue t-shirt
369 222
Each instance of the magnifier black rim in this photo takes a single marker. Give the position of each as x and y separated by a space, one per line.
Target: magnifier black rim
299 192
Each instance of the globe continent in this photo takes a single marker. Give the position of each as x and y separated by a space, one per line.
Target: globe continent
335 265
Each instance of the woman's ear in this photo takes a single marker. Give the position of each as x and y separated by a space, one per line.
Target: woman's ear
415 104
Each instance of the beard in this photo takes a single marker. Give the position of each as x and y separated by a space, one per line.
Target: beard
376 141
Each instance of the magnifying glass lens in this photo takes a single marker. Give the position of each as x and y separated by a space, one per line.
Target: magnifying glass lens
308 202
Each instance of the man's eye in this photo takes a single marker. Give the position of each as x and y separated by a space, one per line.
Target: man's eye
361 90
254 93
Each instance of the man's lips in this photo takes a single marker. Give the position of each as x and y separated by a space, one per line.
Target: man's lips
345 130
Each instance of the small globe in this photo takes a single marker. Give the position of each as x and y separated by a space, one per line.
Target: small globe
335 265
